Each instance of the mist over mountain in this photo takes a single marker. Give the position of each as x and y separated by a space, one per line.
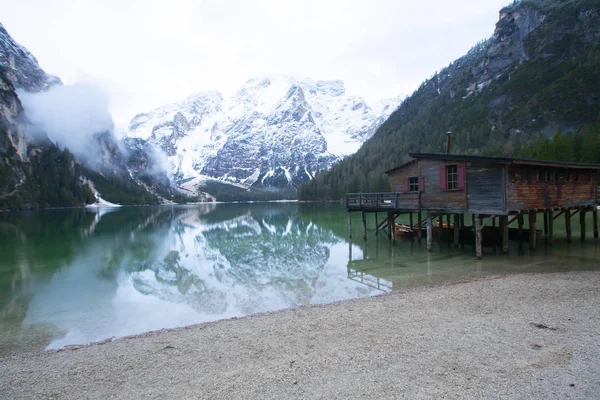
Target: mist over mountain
538 75
57 146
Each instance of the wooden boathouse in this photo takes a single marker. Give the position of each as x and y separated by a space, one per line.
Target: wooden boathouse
490 188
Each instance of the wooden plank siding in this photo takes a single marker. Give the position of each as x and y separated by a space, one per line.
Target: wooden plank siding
486 184
528 188
435 198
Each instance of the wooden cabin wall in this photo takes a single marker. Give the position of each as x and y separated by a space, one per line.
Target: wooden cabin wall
524 191
433 197
485 188
398 177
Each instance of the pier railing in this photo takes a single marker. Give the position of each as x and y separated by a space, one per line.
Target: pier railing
381 201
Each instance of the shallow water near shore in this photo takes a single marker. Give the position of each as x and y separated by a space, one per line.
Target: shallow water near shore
78 276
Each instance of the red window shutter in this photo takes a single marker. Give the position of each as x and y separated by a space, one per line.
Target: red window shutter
443 178
461 176
421 184
406 188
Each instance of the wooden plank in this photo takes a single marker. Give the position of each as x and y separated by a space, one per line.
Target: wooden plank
456 230
429 233
349 224
545 223
550 227
376 225
532 231
595 221
568 225
478 237
364 225
504 224
582 224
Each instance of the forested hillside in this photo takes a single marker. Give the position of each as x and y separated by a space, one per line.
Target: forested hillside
538 75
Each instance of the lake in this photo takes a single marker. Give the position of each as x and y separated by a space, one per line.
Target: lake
78 276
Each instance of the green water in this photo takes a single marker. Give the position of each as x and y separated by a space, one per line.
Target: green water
78 276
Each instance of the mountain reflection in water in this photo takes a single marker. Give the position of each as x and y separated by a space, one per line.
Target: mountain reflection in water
139 269
76 276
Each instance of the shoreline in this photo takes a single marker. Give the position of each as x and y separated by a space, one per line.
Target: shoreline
526 335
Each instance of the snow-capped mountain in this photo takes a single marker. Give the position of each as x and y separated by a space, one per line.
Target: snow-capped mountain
273 132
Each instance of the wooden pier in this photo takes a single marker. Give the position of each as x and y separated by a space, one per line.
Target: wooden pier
440 189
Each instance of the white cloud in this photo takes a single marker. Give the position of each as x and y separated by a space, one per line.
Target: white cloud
69 114
152 52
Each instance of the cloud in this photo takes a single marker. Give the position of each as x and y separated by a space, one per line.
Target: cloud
70 115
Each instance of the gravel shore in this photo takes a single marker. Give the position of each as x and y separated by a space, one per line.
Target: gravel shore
521 336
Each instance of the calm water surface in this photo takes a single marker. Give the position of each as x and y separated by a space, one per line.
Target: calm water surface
78 276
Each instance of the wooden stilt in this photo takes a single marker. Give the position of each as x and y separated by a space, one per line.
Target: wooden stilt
419 230
390 223
550 227
520 222
429 233
376 225
350 250
448 221
532 231
582 223
595 221
349 224
440 221
568 224
478 237
364 225
545 223
462 220
473 221
393 221
504 225
456 230
410 220
493 221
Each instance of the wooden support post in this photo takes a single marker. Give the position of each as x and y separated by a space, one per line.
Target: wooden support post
364 225
456 230
376 225
349 224
429 233
550 227
473 222
410 220
493 221
545 223
520 222
390 223
504 225
595 221
568 224
393 220
582 223
419 230
441 221
478 237
448 219
532 231
462 220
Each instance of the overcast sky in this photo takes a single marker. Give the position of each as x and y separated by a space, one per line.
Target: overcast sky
150 52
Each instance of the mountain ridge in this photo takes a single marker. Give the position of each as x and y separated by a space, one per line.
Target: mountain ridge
538 74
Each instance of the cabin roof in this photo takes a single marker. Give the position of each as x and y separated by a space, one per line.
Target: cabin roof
496 160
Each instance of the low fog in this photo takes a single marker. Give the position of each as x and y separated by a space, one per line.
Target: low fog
69 115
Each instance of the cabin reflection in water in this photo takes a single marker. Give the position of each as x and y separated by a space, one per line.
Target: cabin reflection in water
496 192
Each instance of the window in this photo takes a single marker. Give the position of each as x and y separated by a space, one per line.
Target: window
452 177
546 175
413 184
